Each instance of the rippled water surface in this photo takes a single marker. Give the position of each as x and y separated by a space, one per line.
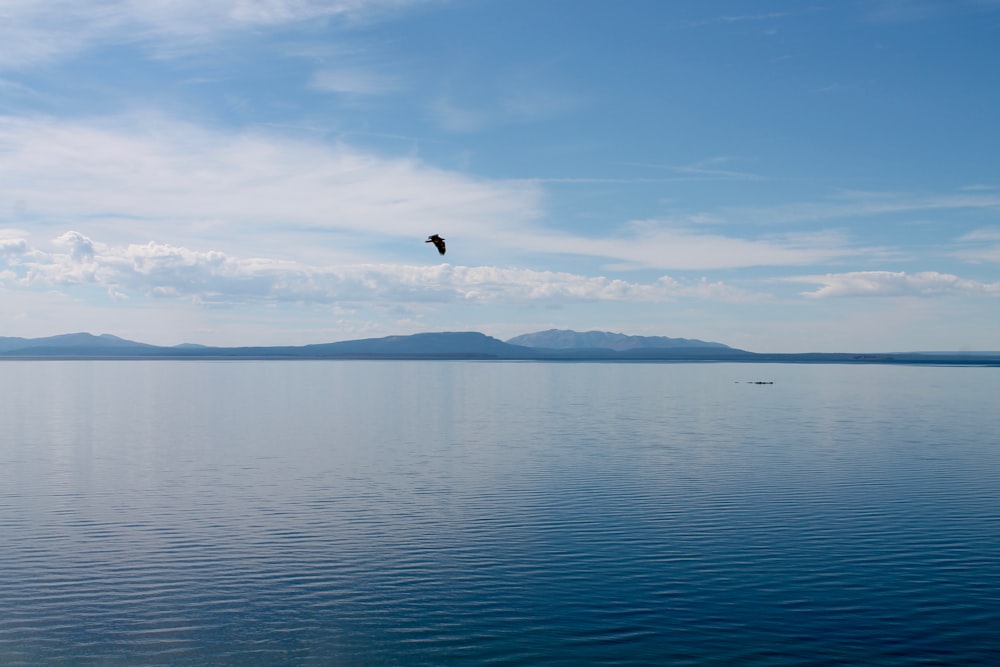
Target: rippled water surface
468 513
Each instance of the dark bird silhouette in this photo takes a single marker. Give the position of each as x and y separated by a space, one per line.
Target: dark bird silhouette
437 241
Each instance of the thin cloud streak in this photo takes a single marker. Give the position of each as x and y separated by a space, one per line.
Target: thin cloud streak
894 284
655 245
703 170
985 246
856 205
353 82
985 234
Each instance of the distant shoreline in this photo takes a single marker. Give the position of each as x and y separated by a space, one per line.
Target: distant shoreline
464 346
750 358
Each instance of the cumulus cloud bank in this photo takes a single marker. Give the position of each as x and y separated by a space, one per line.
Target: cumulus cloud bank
160 270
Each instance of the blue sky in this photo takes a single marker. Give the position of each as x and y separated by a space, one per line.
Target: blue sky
776 176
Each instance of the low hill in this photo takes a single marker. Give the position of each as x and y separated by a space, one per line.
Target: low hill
445 343
565 339
449 344
70 343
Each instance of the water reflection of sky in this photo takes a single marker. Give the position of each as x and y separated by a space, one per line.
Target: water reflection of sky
456 512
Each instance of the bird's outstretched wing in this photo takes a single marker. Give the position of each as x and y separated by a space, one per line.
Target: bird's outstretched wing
437 241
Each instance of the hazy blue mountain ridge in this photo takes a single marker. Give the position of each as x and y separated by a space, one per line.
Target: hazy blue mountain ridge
445 343
563 339
81 341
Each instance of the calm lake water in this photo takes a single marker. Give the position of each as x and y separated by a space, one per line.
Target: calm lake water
469 513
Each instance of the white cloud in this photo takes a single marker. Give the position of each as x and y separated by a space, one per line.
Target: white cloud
985 234
146 176
34 31
160 270
982 245
894 284
658 245
13 246
158 178
855 204
980 255
81 248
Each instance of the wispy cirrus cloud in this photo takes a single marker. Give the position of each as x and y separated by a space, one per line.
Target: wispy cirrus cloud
894 284
979 245
658 244
724 19
985 234
855 204
683 249
155 177
353 82
710 169
41 31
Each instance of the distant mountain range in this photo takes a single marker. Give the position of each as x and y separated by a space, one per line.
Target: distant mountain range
553 345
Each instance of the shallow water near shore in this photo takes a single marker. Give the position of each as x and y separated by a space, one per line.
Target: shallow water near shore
459 513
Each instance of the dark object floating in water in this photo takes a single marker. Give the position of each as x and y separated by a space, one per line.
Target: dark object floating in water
757 381
437 241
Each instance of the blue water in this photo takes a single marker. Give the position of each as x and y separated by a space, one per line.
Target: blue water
469 513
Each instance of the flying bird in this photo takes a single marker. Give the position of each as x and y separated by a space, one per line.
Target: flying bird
437 241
